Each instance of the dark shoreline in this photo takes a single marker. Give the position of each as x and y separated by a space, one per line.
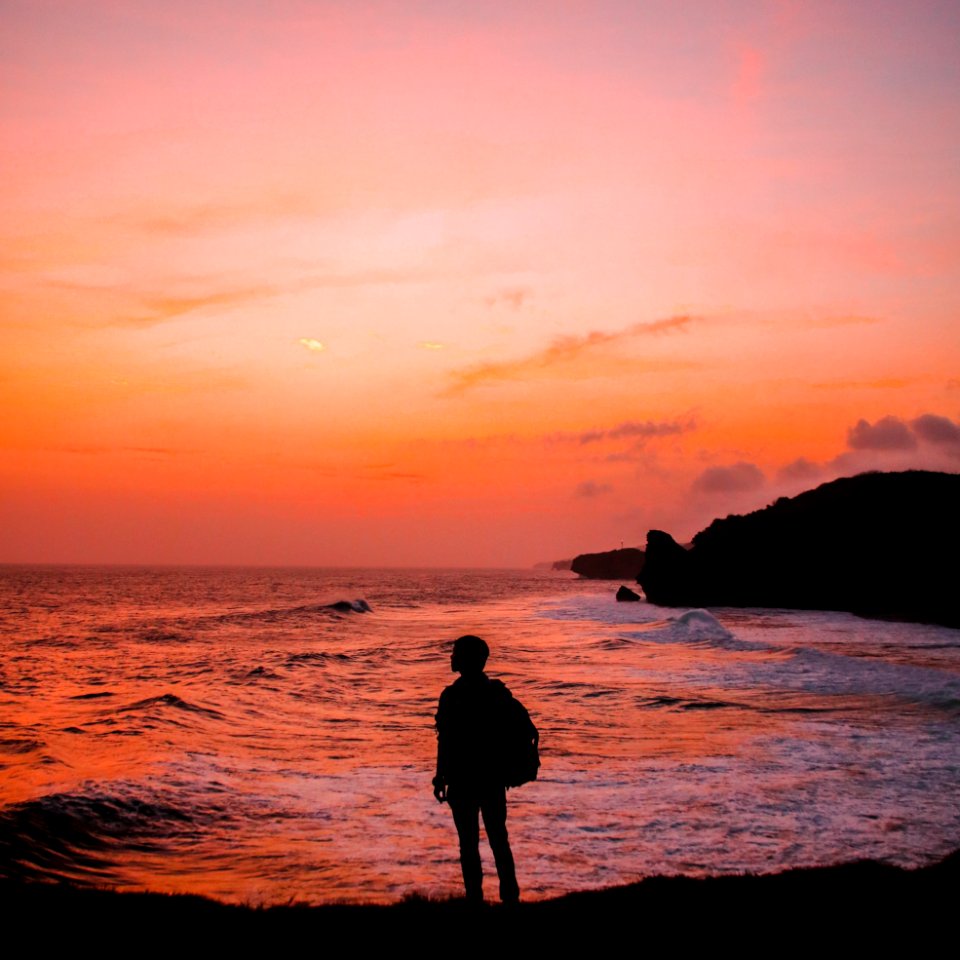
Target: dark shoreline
863 899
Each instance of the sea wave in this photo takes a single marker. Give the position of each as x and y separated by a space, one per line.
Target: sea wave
695 627
75 836
333 610
261 745
168 700
20 745
315 656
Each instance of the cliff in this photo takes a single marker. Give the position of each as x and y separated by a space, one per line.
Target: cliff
624 564
878 544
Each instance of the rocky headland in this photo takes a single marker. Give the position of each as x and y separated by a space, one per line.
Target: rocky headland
877 544
623 564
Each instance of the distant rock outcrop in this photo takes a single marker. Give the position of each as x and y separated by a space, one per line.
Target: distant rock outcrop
626 595
351 606
878 544
624 564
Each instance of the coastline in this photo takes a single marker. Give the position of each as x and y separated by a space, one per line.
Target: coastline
799 903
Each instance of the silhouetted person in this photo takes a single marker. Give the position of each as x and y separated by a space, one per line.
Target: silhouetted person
471 716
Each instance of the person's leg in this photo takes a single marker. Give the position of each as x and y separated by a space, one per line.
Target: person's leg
494 807
466 817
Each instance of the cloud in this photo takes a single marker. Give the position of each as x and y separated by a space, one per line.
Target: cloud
890 433
431 345
800 469
632 428
736 478
636 453
217 291
928 442
885 383
389 471
210 217
163 308
512 297
841 321
563 350
311 344
589 489
95 450
936 429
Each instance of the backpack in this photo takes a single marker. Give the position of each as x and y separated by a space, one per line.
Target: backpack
519 751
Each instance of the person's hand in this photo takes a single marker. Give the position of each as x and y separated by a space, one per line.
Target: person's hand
439 790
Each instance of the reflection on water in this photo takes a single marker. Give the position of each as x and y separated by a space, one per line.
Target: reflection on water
229 733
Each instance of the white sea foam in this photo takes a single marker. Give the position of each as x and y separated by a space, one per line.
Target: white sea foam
700 625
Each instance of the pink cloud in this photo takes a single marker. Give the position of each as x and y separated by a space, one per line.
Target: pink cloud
890 433
590 489
562 350
736 478
634 429
936 429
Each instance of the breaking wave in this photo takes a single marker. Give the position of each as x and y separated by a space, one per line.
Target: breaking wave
75 835
168 700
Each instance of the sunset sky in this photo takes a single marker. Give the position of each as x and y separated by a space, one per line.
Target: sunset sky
465 283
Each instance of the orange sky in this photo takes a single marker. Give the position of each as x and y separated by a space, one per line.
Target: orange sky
459 283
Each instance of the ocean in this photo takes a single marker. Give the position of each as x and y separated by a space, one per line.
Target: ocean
225 731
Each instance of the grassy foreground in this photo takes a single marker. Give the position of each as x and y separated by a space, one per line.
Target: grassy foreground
850 905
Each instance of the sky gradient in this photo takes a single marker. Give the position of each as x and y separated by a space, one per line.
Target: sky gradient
442 283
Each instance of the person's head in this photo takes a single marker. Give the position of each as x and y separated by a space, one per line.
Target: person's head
469 655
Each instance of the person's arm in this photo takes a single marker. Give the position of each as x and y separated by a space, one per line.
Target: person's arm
439 780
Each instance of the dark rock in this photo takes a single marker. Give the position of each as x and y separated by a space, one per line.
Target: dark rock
668 575
871 544
623 564
626 594
350 606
